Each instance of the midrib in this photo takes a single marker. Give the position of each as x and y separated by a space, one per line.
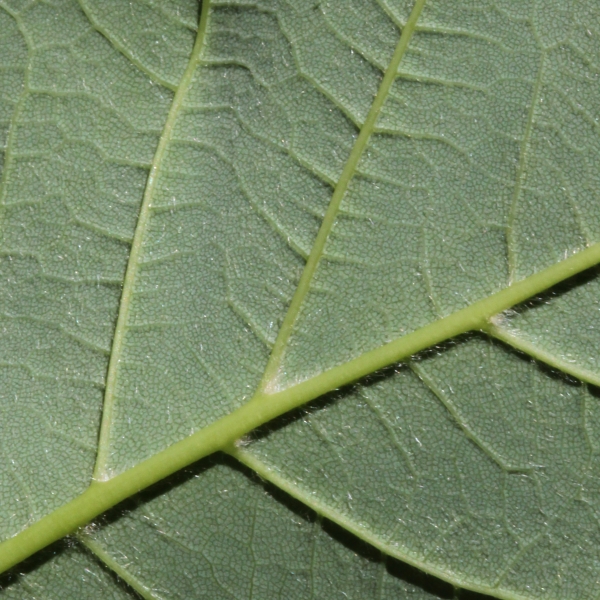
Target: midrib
222 434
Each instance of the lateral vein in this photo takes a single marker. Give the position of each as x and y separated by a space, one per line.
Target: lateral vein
287 326
136 250
520 175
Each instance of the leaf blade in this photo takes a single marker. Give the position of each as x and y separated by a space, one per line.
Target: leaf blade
244 297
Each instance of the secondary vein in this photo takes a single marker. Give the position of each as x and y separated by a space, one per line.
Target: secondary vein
136 250
103 493
97 550
285 331
122 49
520 176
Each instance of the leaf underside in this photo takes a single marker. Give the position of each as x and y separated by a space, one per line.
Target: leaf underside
206 207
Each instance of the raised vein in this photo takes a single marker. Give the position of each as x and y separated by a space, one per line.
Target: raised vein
358 149
19 106
136 249
512 217
221 434
121 571
122 48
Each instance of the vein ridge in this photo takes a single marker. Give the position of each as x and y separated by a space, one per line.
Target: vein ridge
100 473
520 175
102 555
268 382
225 433
122 50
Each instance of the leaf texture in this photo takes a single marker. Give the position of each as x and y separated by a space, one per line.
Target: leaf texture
206 208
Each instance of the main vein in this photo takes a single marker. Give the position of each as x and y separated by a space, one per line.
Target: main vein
220 435
287 326
136 249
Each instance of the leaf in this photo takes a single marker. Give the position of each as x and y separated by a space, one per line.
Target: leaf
210 220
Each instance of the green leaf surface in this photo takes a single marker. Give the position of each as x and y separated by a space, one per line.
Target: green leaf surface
213 215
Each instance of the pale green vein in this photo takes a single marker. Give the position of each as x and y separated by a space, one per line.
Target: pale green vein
264 407
121 49
103 231
336 199
459 419
323 509
376 410
136 250
16 113
104 493
352 44
520 342
129 578
389 13
520 176
78 339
